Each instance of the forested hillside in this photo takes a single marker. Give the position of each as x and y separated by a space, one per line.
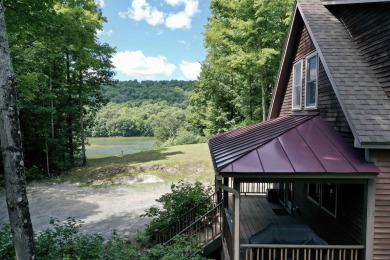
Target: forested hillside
172 91
146 108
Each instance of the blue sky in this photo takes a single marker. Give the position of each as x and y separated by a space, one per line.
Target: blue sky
155 39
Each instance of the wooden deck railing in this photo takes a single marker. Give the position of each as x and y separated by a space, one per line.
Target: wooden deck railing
301 252
255 188
204 229
187 219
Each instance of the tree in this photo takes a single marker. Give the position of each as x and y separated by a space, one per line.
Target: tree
59 65
244 41
12 151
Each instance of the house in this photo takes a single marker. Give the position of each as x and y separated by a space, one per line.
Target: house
324 153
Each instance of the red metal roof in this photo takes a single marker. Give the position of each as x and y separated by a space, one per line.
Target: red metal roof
293 143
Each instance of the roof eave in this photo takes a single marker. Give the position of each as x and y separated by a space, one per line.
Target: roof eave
372 145
304 175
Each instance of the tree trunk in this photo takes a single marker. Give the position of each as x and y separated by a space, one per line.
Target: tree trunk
70 117
250 98
83 155
11 146
263 93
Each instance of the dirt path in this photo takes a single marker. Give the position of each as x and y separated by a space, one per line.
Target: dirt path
102 209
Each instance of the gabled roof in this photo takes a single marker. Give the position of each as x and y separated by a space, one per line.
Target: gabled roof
364 103
288 144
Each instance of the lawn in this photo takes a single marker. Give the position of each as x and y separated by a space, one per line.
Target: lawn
187 162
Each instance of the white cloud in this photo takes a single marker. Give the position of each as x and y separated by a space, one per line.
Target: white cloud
105 33
136 64
99 3
191 7
191 70
175 2
178 21
141 10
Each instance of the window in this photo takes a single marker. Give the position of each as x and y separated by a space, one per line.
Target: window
325 195
328 197
311 81
314 192
297 85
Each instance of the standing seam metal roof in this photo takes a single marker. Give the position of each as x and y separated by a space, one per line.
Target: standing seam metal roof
288 144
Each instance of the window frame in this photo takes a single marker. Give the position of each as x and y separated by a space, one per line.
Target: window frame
320 203
307 72
300 62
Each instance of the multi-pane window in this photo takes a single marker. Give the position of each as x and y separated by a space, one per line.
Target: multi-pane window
325 195
311 81
297 85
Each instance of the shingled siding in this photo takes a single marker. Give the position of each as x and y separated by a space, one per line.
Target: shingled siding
344 229
328 104
305 47
369 26
382 207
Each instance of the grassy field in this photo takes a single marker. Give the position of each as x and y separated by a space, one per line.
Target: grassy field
187 162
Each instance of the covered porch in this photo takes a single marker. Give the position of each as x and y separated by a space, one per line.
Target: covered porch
255 212
319 181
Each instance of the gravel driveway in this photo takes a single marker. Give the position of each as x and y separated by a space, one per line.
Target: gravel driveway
101 208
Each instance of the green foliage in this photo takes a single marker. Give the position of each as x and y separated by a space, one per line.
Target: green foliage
244 41
59 66
64 241
183 197
7 250
184 136
182 249
173 91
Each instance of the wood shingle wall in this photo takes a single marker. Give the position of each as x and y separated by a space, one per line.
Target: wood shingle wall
382 207
369 26
328 104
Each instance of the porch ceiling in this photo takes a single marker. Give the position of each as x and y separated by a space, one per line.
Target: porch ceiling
289 144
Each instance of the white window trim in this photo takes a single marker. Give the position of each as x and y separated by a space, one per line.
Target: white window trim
306 76
300 86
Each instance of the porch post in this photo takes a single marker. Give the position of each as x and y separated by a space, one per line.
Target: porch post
225 193
370 218
236 232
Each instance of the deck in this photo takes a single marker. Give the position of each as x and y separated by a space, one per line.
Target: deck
256 213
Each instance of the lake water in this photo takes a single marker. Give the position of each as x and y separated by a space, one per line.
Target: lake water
112 146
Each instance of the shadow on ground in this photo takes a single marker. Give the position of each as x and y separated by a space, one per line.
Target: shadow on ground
141 157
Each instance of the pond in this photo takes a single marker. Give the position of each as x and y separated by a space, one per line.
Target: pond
100 147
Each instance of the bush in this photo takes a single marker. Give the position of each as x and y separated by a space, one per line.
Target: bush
6 246
64 241
184 196
182 249
185 137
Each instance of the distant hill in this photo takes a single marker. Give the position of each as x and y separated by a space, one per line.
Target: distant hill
172 91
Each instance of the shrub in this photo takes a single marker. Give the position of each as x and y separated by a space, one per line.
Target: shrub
184 136
6 245
182 249
184 196
65 242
